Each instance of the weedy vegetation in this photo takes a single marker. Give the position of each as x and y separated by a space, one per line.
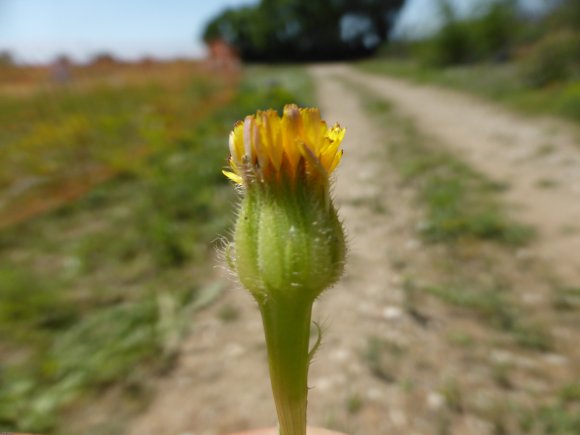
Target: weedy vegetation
460 203
96 295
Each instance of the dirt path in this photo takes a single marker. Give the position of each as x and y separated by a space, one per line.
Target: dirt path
538 159
382 368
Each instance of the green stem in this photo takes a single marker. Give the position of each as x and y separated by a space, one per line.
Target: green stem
287 328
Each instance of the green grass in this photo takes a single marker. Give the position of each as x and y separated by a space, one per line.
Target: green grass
287 80
566 298
228 313
98 126
97 295
493 305
558 419
383 358
451 392
354 404
555 418
497 82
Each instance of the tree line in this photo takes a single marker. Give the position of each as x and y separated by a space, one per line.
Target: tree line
305 30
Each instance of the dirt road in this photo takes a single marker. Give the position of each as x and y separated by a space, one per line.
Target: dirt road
538 159
382 368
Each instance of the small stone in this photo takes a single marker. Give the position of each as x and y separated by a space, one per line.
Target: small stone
530 298
412 244
355 368
392 313
435 401
396 279
365 308
374 394
340 355
398 417
233 350
501 357
524 254
555 359
323 384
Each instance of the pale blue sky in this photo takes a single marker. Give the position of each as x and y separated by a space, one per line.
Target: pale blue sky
38 30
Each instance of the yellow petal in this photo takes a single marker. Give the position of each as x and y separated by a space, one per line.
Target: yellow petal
270 133
291 125
313 128
238 142
335 161
327 153
247 135
234 177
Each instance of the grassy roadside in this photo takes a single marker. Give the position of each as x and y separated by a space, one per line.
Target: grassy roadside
476 279
96 296
460 203
461 209
496 82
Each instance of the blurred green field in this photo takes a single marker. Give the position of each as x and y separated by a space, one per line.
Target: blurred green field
59 140
96 294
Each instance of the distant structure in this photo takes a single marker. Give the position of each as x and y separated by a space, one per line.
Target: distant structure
61 70
104 61
146 62
222 56
6 58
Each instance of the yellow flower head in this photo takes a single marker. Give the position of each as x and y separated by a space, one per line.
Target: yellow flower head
297 147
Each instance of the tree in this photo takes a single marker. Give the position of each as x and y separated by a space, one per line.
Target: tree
298 30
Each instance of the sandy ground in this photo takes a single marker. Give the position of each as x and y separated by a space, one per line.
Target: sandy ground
220 383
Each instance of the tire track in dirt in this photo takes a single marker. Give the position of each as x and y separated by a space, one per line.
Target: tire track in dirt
539 159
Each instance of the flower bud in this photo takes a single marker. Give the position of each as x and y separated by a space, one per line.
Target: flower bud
288 244
288 238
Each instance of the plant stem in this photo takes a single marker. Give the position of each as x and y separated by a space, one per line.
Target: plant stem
287 329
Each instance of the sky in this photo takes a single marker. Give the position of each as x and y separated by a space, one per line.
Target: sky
39 30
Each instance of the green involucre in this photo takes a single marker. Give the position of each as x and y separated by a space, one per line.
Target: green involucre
288 242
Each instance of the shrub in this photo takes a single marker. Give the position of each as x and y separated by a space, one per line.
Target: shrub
489 35
556 57
495 31
569 102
